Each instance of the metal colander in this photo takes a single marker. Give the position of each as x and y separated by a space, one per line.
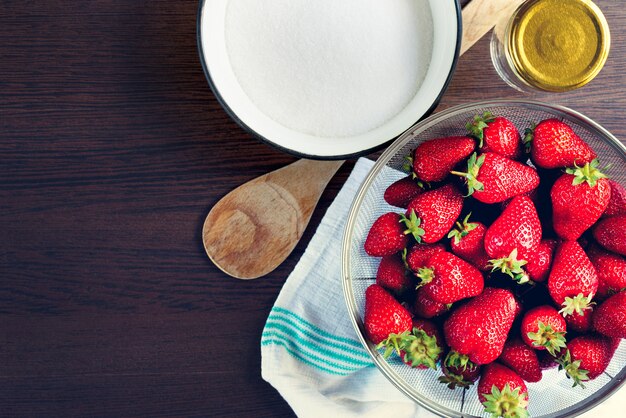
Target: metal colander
551 397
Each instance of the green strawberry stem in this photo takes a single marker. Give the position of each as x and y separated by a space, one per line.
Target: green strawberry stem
422 350
394 343
407 166
412 224
506 403
572 369
426 275
529 134
458 360
512 267
589 173
471 177
454 381
462 229
477 126
547 337
578 304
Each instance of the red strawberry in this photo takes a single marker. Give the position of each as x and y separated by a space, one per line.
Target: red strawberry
521 359
388 235
513 237
610 234
580 323
447 278
427 308
401 192
456 375
392 274
468 242
434 212
423 351
540 260
496 134
544 329
555 145
573 280
433 160
617 203
579 198
479 328
384 316
611 269
610 317
419 254
492 178
502 392
587 357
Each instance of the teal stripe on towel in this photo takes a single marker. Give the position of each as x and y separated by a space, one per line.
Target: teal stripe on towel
317 329
313 338
312 348
312 345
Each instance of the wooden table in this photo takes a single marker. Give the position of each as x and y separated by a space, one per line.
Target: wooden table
112 151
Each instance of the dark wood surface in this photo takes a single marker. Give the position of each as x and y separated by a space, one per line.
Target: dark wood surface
112 151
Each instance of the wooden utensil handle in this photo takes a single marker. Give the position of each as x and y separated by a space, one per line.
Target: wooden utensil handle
479 16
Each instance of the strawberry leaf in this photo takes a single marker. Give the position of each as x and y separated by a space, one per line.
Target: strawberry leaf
547 337
506 403
412 224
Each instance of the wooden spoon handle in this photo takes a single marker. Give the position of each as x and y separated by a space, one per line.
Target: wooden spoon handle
479 16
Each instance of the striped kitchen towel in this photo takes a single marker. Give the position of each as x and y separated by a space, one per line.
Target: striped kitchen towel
310 351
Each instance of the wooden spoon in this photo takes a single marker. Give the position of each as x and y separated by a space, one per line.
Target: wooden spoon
253 229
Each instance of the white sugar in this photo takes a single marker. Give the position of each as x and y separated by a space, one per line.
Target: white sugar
329 68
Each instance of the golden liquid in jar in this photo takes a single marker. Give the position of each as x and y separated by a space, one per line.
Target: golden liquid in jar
557 45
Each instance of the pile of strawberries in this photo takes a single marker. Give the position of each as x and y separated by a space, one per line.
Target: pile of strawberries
507 260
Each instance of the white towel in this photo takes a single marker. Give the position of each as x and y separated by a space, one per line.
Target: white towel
310 350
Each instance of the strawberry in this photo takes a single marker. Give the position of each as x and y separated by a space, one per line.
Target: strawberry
385 318
423 351
610 317
419 254
447 278
434 212
522 359
492 178
427 308
496 134
580 323
513 237
433 160
554 144
479 328
544 329
401 192
573 280
617 203
388 235
587 357
610 234
392 274
611 269
467 241
579 198
456 375
540 260
503 392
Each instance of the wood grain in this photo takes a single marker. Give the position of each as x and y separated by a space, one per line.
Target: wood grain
112 151
253 229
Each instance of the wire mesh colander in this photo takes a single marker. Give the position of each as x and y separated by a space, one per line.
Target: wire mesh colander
551 397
